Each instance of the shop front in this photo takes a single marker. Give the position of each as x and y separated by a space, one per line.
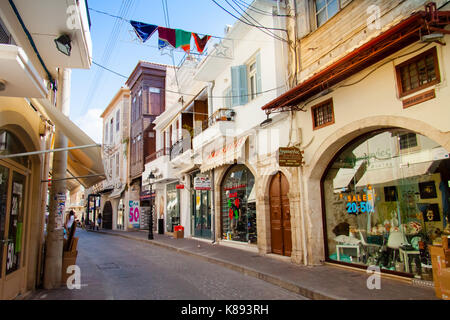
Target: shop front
201 205
386 198
172 206
14 176
238 205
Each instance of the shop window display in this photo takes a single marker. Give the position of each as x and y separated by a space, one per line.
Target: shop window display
173 207
386 201
238 207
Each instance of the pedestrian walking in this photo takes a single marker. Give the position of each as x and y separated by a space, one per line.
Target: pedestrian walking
69 221
99 221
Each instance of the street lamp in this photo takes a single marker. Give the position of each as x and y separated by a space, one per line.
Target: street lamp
151 179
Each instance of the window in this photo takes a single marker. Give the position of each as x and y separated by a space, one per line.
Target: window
106 133
111 127
117 165
227 97
110 171
322 114
252 80
407 141
117 120
418 73
246 81
133 110
325 10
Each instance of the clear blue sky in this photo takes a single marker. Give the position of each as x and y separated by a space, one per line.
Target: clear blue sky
93 89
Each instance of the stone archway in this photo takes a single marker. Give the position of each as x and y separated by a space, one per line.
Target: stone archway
325 153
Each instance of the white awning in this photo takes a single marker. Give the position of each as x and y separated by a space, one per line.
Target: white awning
80 162
225 155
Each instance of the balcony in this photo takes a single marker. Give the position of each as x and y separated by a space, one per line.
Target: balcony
219 124
157 154
179 148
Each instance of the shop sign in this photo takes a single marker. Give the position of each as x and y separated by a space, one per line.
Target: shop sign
134 213
360 203
179 186
290 157
202 183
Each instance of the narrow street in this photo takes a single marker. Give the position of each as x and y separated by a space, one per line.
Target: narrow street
117 268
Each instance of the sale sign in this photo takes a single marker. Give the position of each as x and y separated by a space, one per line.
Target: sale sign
134 213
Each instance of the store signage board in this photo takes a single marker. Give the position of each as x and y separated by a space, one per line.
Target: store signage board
421 97
290 157
179 186
202 183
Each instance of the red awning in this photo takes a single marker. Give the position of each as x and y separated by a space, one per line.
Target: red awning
396 38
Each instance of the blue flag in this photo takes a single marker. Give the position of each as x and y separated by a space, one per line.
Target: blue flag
143 30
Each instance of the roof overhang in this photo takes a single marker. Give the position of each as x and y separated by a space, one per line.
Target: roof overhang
396 38
46 20
20 77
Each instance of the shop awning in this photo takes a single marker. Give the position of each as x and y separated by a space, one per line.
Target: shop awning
387 43
226 155
84 163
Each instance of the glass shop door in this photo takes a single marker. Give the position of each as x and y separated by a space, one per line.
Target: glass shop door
12 208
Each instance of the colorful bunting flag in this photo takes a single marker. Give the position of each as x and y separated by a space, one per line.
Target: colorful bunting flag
177 38
143 30
183 39
200 42
167 36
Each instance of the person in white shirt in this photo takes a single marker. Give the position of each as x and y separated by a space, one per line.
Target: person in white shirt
69 221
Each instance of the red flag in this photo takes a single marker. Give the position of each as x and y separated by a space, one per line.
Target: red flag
200 42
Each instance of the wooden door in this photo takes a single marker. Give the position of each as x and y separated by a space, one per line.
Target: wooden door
107 216
280 217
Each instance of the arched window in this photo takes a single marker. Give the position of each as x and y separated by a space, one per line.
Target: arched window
10 144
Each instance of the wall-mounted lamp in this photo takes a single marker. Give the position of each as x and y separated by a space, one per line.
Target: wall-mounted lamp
266 122
432 37
63 44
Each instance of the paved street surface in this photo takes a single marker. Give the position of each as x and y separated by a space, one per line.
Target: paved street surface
118 268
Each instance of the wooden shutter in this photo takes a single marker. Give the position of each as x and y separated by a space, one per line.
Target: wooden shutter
239 85
258 74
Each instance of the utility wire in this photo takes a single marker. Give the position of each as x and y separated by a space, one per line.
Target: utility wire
270 33
260 11
250 24
108 50
189 94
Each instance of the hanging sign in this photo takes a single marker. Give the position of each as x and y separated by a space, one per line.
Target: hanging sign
202 183
290 157
179 186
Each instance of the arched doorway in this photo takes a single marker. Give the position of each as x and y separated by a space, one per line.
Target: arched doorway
238 207
107 215
385 198
280 216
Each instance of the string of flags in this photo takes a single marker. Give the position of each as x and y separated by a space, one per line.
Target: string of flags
176 38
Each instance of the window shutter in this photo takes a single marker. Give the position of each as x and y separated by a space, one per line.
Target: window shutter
243 87
258 74
234 86
239 85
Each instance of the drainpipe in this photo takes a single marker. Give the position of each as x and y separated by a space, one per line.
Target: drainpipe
213 209
54 241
